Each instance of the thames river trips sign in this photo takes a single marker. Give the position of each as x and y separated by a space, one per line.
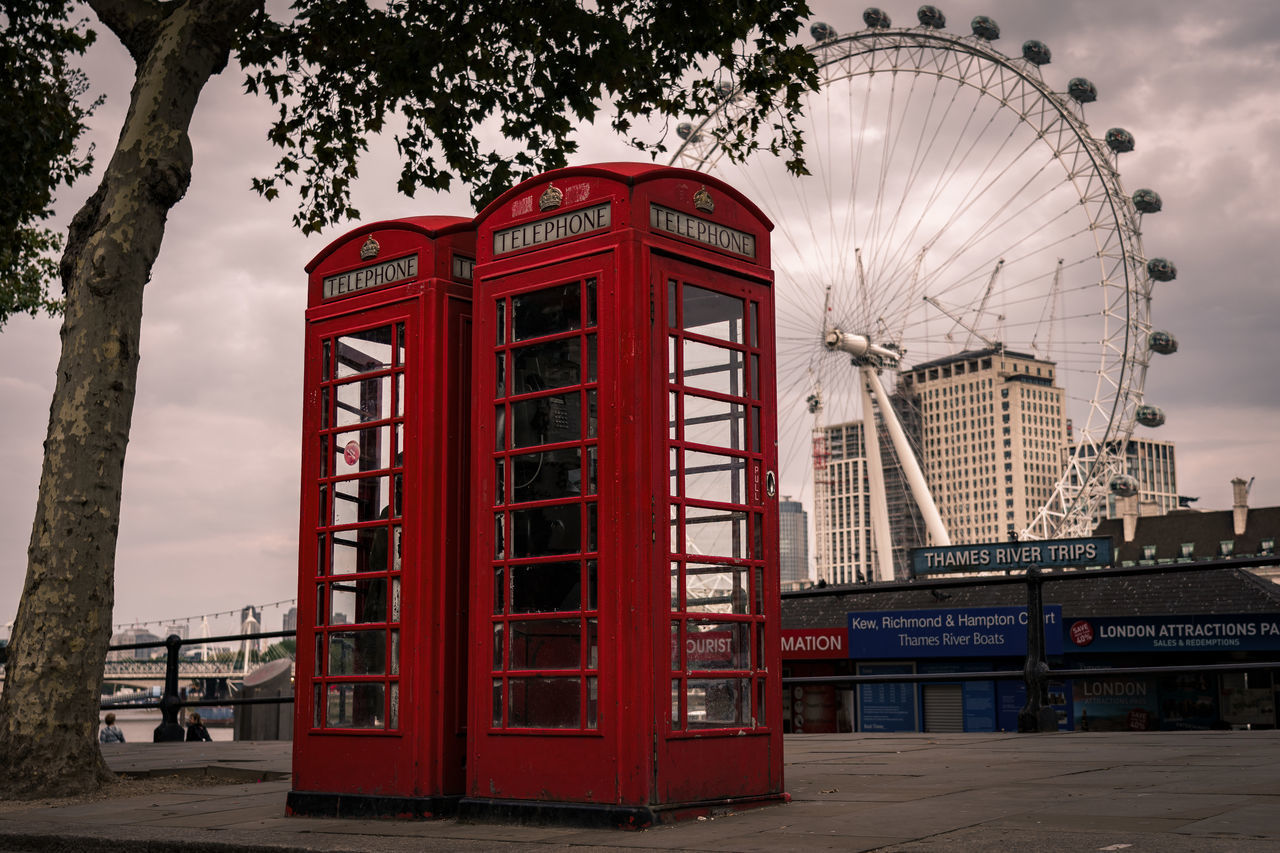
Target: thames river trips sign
1001 556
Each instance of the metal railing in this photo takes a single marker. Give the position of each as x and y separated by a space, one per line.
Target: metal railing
171 701
1037 715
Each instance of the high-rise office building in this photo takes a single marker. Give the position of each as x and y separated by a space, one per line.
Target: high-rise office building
1152 464
842 521
793 543
992 435
846 547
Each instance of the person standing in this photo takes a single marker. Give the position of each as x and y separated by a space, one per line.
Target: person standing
196 729
110 731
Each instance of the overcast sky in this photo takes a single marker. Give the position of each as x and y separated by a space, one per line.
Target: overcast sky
209 520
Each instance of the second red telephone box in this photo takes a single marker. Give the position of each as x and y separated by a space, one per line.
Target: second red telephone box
624 664
380 693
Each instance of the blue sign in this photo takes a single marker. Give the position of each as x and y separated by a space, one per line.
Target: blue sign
966 632
1251 632
979 706
889 707
1002 556
1011 698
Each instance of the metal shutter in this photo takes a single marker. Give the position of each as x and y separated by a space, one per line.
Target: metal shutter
943 708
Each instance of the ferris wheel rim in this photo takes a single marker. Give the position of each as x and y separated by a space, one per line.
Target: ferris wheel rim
1095 453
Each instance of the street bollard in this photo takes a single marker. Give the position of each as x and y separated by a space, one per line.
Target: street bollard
169 730
1037 715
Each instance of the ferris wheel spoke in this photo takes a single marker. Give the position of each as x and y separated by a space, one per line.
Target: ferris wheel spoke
942 183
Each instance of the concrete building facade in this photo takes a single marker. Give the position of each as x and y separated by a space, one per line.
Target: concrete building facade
993 431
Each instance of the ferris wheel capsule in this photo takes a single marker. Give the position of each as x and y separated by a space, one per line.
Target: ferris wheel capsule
1162 342
1147 201
1082 91
1162 269
985 28
822 32
724 89
1036 52
876 19
684 130
1151 416
1120 140
1123 485
932 17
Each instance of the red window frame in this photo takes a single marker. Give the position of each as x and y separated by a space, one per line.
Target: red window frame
715 644
368 436
542 653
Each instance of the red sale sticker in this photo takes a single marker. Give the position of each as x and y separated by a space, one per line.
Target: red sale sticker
351 453
1081 633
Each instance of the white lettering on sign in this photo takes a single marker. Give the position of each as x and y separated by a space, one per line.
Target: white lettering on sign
962 559
709 646
1073 552
812 643
388 272
575 223
703 231
1019 555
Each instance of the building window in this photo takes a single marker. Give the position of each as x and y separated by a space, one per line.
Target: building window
1148 552
1267 546
1226 547
1188 549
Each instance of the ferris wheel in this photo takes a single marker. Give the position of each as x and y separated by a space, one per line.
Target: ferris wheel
956 203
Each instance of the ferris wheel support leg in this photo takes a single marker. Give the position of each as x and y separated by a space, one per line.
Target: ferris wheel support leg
910 465
875 473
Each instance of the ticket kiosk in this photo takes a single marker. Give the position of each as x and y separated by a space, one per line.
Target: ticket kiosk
624 591
380 676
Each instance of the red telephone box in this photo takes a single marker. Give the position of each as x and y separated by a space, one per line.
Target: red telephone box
624 589
380 676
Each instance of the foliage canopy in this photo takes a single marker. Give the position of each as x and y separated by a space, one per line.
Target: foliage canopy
42 99
452 74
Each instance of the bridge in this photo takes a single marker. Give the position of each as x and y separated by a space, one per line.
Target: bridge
146 673
153 670
142 674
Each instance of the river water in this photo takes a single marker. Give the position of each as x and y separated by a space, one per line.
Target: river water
139 725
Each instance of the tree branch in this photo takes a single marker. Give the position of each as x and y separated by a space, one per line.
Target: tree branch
134 22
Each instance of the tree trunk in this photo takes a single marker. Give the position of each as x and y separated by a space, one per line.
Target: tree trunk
49 709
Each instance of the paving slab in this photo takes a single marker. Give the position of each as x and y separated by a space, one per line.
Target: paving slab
1131 792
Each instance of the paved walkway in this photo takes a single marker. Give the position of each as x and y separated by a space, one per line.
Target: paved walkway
1132 792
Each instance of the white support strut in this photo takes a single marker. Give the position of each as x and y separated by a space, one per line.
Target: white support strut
910 465
881 539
